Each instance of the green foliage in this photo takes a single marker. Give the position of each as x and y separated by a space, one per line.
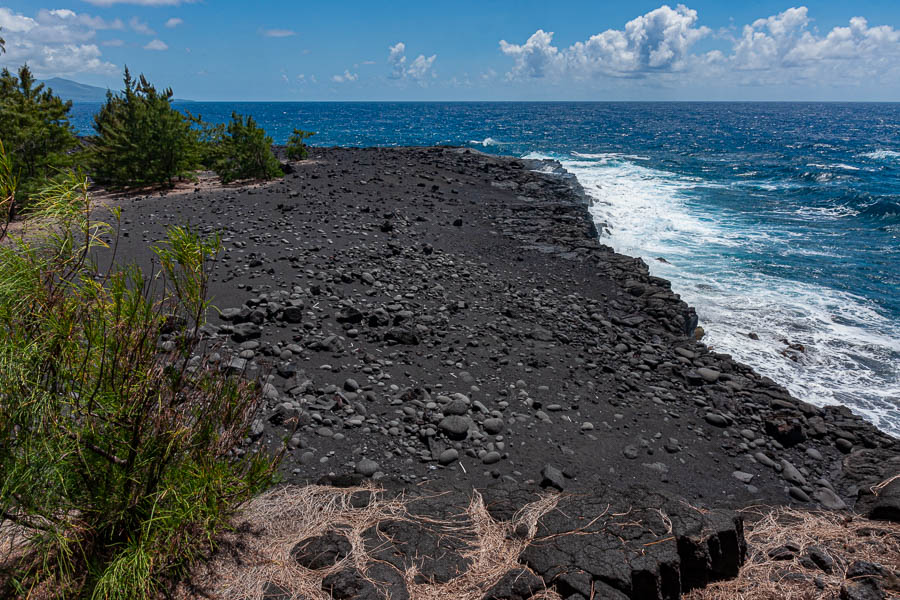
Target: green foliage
242 150
118 459
296 147
209 136
8 183
35 130
141 139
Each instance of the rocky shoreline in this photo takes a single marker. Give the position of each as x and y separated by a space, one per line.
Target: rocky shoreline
437 318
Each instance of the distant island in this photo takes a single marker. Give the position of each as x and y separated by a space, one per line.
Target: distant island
81 92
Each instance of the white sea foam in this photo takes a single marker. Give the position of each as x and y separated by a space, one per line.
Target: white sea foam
610 155
598 156
882 155
852 352
828 212
767 186
841 166
488 141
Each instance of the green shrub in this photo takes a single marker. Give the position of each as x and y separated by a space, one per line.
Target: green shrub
210 136
141 139
8 182
35 130
118 459
296 147
242 150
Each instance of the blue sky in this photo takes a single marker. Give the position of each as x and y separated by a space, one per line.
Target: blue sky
485 50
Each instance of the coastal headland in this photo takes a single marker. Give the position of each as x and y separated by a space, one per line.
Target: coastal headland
437 321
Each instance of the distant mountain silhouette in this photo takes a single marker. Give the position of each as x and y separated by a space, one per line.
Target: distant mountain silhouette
80 92
74 91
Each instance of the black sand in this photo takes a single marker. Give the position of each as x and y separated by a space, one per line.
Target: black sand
421 273
438 315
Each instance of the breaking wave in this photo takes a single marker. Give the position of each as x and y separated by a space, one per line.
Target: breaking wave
851 351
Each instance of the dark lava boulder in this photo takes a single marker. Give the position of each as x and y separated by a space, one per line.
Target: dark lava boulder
883 507
634 544
322 551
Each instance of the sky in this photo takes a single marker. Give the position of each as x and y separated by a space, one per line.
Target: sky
245 50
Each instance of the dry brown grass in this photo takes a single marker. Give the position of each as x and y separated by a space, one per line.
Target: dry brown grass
258 552
13 542
843 536
15 548
270 526
494 550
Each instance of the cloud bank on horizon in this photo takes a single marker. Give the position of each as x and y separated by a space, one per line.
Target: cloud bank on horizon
665 47
419 69
659 43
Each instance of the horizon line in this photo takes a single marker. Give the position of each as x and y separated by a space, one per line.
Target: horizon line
189 101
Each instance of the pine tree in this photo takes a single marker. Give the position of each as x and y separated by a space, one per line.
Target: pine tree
141 139
296 146
242 150
35 130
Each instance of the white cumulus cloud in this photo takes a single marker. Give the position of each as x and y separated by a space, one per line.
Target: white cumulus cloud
67 18
397 59
784 43
279 33
775 50
158 45
345 78
70 58
657 41
537 57
421 66
55 42
174 22
419 69
11 22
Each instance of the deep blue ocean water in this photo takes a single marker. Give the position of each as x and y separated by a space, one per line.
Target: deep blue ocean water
777 219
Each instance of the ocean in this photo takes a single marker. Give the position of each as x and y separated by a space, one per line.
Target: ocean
780 222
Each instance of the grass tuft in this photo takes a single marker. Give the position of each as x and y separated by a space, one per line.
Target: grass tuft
117 437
